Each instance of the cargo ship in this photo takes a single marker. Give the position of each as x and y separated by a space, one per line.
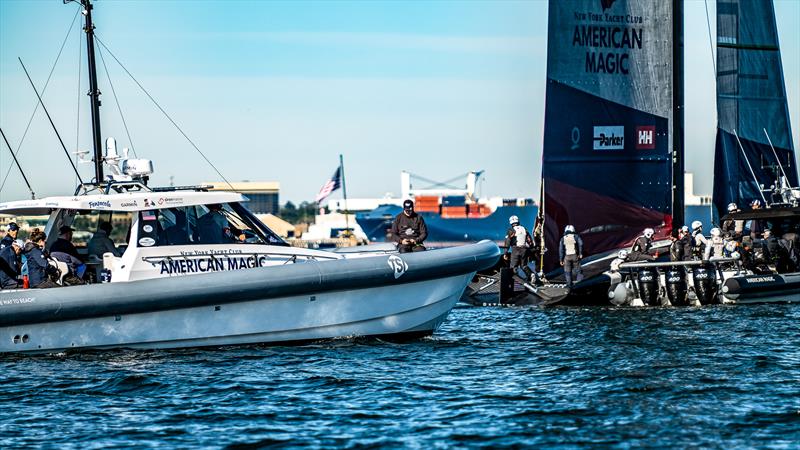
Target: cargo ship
452 214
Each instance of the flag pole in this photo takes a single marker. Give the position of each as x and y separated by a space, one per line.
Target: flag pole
344 192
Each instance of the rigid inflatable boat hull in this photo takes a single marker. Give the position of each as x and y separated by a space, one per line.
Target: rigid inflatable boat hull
401 295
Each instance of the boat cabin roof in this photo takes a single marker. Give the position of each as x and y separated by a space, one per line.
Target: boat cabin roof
125 201
767 213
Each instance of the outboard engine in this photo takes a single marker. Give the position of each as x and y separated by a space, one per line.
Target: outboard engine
648 286
676 286
705 284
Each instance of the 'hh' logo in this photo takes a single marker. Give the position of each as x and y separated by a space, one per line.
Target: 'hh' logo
609 138
646 137
398 266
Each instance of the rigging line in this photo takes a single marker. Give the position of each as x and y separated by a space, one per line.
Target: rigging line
46 83
116 99
162 111
51 121
33 195
710 41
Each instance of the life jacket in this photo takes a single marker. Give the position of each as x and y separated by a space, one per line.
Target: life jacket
698 245
570 244
520 237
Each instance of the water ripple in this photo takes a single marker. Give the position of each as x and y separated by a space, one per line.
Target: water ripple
717 377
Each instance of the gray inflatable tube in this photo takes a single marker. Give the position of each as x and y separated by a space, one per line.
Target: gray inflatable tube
78 302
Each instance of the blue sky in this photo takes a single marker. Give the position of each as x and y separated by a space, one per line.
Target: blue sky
276 90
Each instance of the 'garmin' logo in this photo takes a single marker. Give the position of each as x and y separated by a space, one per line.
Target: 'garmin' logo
103 204
609 138
398 266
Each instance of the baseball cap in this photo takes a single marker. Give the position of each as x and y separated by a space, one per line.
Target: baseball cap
408 205
65 229
13 226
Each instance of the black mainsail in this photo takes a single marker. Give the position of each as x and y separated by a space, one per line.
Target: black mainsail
612 153
751 106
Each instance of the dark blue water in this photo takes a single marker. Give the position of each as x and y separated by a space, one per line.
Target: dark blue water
716 377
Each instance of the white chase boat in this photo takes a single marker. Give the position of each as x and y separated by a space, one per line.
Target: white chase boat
174 284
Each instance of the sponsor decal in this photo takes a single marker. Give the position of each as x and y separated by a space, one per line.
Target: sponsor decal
575 135
211 264
170 200
646 137
53 204
147 228
129 204
147 242
398 266
100 205
609 138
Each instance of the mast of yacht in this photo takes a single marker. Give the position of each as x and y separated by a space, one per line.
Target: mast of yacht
678 196
94 91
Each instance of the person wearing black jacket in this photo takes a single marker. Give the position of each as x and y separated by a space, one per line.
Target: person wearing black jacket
10 265
409 230
64 243
11 235
681 248
38 264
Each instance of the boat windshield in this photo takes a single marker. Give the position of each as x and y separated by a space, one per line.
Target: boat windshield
203 224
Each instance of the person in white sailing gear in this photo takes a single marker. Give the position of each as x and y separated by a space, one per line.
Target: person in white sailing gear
716 245
622 256
640 251
570 253
699 241
517 243
733 229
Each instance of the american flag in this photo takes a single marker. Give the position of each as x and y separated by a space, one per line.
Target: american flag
331 185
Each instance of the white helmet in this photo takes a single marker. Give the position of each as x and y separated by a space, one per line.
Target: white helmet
513 219
685 229
649 232
732 207
755 204
697 225
716 232
569 229
623 254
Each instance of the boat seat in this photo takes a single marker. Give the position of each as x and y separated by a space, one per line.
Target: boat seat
63 269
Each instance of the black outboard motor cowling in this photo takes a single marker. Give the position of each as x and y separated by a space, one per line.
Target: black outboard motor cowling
648 286
705 284
676 286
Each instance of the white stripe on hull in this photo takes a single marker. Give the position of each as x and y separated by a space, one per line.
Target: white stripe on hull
411 307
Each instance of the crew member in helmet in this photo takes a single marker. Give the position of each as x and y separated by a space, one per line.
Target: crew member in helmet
640 251
681 248
757 226
699 241
716 245
11 235
570 253
732 229
409 229
622 256
518 243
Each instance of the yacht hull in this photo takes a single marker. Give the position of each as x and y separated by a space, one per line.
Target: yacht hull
394 296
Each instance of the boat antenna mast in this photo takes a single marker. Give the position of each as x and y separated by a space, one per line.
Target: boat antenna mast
94 91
